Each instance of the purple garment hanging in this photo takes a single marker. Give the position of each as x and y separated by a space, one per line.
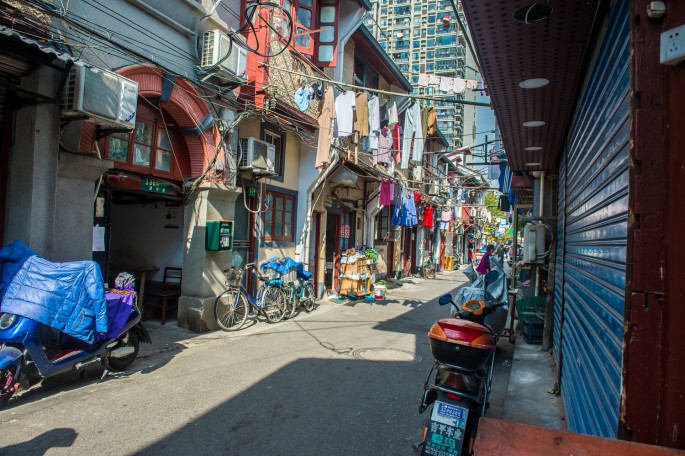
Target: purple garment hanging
387 189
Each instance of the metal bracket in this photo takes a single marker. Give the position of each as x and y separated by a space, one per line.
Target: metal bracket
103 132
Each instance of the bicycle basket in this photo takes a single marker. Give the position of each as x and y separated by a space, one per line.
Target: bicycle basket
290 276
271 274
233 277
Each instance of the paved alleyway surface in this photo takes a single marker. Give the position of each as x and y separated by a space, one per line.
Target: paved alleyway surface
345 379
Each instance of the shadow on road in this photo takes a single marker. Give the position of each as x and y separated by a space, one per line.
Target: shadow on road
55 438
360 402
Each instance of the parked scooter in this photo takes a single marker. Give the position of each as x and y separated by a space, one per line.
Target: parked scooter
458 385
31 350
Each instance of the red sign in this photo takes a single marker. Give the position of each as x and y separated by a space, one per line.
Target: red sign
345 231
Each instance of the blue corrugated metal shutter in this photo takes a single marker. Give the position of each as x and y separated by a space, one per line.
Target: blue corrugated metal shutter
594 239
559 272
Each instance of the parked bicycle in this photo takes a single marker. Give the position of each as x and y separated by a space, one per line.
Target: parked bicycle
296 283
299 293
233 305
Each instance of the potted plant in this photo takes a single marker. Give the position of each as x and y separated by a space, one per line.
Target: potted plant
371 256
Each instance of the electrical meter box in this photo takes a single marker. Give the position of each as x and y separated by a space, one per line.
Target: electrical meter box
219 235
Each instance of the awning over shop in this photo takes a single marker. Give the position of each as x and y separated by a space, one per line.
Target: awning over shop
55 48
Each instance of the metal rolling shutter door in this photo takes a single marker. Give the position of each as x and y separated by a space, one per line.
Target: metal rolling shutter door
595 237
559 272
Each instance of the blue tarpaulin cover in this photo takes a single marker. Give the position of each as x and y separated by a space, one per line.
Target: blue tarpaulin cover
69 297
283 266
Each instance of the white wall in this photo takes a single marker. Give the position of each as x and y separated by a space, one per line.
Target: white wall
308 174
139 238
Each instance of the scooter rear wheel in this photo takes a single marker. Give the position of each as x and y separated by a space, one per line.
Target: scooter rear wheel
120 364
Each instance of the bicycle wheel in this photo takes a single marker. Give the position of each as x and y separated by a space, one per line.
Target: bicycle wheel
293 301
274 304
230 310
308 296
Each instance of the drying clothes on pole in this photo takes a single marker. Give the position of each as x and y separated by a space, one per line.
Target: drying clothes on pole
303 97
361 114
446 84
423 80
471 84
412 130
432 121
392 114
397 136
325 121
344 113
405 211
386 194
384 147
374 123
428 217
459 85
433 79
384 115
446 215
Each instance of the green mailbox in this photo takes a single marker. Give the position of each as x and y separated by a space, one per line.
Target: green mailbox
219 235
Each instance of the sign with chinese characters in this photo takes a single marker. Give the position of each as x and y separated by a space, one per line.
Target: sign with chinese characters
345 231
445 434
149 184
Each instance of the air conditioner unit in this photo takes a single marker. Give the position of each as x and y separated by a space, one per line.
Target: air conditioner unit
100 96
257 156
533 243
434 187
222 54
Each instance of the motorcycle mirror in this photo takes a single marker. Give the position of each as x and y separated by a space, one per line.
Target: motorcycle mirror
445 299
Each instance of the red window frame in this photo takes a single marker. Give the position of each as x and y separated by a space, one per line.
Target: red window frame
275 216
178 152
320 17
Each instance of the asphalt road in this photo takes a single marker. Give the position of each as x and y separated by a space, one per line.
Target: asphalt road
345 379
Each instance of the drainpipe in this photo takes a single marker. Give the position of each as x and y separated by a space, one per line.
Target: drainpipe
360 16
310 192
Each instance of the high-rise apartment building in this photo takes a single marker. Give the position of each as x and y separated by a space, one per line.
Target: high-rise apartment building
423 37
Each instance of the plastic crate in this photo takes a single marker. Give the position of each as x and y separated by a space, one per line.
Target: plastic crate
533 326
533 306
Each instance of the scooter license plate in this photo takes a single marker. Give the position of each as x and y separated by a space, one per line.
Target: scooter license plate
445 434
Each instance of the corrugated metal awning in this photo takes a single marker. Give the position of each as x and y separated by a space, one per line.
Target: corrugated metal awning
56 49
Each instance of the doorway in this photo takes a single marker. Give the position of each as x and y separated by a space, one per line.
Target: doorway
339 238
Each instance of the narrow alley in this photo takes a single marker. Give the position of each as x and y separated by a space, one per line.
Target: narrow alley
344 379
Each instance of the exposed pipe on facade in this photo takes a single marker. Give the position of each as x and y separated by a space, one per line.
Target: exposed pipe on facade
338 71
335 159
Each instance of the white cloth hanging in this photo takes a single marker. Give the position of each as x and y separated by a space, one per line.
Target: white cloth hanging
344 113
412 130
374 123
392 115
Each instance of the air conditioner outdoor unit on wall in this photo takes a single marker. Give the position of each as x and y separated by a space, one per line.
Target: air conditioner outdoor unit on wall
434 187
215 54
257 156
100 96
533 243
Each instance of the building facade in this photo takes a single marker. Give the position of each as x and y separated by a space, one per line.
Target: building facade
424 39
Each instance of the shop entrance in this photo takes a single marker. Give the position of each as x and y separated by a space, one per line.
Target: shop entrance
339 237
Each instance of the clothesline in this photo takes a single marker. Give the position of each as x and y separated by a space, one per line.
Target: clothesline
383 92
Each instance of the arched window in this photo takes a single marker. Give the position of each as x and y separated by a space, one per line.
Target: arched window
155 147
